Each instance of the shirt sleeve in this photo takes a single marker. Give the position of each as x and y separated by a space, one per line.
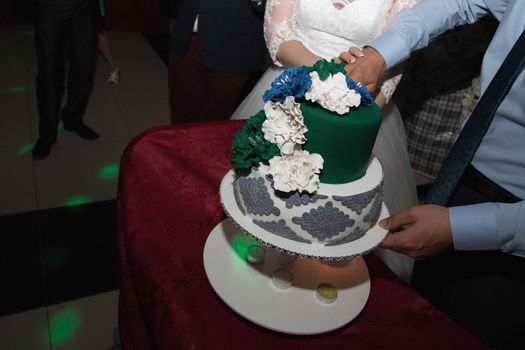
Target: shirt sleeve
413 28
279 25
393 76
498 226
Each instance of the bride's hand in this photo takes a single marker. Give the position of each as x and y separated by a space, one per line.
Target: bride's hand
350 56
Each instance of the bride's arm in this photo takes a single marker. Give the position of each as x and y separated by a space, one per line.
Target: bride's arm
293 53
280 34
393 76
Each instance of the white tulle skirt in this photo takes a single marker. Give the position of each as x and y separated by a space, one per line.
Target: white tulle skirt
390 148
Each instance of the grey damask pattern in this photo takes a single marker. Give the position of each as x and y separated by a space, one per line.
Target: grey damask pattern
238 201
357 233
297 199
256 197
360 201
324 222
375 210
279 228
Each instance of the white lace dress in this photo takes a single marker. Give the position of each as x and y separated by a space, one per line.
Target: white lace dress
327 28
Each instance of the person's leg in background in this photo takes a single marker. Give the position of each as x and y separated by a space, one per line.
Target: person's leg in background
222 91
185 78
82 39
50 41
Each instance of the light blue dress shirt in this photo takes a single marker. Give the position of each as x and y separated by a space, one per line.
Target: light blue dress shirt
501 155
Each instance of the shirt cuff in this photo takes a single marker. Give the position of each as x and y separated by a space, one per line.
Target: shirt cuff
392 47
478 234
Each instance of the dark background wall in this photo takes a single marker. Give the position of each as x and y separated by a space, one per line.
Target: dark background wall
133 15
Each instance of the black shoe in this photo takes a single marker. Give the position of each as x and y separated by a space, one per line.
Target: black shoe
42 149
83 131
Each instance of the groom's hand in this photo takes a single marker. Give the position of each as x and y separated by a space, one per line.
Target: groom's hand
366 68
418 232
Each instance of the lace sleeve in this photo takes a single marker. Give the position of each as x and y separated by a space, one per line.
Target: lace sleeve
405 4
279 25
393 76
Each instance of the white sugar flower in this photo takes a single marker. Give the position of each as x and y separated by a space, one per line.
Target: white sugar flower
284 124
296 172
333 93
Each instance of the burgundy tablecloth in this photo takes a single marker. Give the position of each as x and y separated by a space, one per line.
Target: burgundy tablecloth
168 203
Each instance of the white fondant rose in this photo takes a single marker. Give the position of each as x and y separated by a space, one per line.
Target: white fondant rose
284 124
333 93
296 172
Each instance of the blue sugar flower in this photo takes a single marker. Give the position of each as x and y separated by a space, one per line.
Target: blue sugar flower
366 98
294 81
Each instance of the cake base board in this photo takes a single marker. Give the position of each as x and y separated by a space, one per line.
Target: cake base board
249 289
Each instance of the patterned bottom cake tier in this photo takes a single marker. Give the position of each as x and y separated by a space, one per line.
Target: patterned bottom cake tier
333 215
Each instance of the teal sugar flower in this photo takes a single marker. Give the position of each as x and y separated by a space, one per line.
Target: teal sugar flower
325 69
249 147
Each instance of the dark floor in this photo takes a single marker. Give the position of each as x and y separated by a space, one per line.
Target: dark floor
55 255
58 251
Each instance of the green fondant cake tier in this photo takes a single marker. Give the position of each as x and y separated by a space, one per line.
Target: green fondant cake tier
344 141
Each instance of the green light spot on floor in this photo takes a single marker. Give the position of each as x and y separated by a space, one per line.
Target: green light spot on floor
25 149
14 90
64 326
56 258
109 171
60 125
77 200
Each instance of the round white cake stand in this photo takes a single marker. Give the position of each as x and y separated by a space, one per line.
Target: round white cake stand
249 289
360 246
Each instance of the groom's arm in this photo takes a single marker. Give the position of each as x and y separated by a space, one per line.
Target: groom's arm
413 29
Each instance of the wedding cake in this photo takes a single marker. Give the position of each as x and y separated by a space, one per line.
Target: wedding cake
304 169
